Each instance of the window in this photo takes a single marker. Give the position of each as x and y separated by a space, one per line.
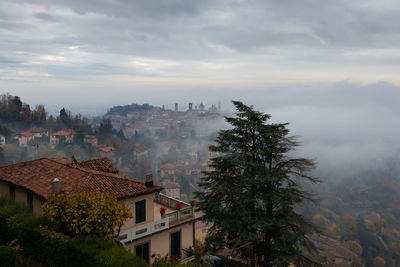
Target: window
29 200
140 211
176 244
12 191
143 251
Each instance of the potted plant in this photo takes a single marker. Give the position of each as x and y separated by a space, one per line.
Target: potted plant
162 210
192 202
178 205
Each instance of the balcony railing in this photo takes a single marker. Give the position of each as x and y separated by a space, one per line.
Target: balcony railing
179 215
168 201
185 212
144 230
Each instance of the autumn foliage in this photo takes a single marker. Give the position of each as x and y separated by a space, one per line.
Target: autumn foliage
85 214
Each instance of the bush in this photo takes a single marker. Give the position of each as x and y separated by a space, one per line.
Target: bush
52 248
12 215
119 257
7 256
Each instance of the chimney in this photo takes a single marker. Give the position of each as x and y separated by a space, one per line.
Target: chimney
56 186
149 180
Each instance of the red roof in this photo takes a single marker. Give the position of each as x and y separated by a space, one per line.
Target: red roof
107 149
37 176
168 166
102 164
64 133
26 134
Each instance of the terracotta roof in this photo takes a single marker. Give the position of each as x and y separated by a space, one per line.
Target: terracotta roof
168 166
64 133
107 149
26 134
37 175
102 164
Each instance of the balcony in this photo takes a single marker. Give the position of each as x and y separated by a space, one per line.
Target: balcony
143 230
171 213
160 223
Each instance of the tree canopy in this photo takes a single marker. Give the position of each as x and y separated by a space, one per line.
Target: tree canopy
85 214
252 190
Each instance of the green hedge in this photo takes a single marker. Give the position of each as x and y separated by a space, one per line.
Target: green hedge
7 256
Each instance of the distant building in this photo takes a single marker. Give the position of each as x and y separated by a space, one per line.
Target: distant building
39 132
176 107
62 137
25 138
2 139
107 152
201 107
190 106
167 170
172 189
131 128
90 139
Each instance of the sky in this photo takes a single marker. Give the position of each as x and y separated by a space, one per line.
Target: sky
330 68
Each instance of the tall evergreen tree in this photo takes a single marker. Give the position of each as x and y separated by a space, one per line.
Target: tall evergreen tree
251 193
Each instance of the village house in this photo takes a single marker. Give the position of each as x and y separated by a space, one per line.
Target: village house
172 189
2 139
107 152
25 138
90 139
161 225
39 132
133 127
167 170
62 137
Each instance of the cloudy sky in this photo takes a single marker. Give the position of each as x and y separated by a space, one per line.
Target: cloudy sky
331 68
112 51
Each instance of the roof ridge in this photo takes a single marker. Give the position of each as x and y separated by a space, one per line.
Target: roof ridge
90 171
108 174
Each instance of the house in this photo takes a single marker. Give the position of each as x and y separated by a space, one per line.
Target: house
90 139
148 233
172 189
25 138
62 137
107 151
39 132
2 139
133 127
167 170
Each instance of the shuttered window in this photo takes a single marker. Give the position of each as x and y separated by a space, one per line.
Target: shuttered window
140 211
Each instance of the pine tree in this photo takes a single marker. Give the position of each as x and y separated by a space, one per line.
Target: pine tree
251 194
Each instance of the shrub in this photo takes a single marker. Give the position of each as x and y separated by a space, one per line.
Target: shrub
12 215
119 257
7 256
85 214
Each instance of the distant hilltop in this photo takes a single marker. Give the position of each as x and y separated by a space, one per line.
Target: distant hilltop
123 110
